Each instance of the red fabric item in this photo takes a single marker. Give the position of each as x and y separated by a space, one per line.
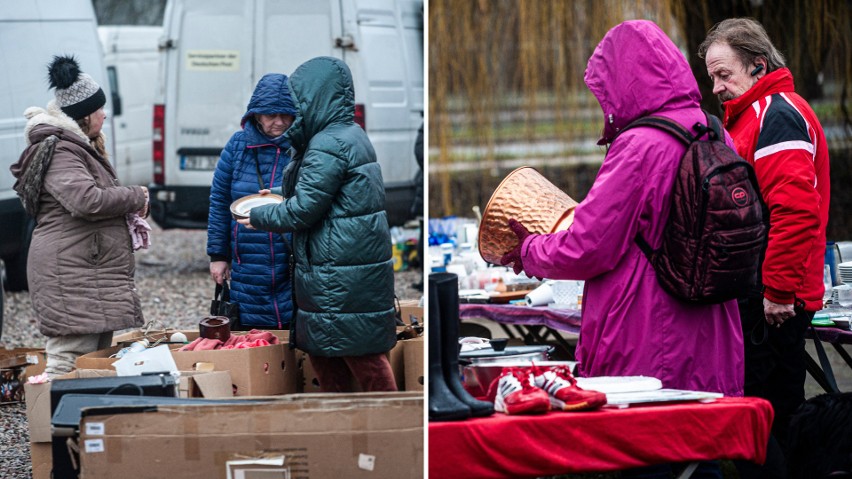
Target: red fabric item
247 344
267 336
252 339
207 344
202 344
777 131
558 442
191 346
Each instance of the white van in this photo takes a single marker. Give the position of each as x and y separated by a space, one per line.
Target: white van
215 51
132 61
31 33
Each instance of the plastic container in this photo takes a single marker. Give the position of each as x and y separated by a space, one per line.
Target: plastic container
136 347
447 253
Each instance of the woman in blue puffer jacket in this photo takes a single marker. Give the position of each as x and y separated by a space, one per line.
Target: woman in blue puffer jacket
257 262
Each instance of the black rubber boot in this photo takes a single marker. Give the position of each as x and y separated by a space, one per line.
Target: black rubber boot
448 308
443 404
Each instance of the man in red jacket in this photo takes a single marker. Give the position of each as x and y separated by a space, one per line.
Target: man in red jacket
776 131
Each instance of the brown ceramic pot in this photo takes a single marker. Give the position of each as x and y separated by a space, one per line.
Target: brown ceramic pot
528 197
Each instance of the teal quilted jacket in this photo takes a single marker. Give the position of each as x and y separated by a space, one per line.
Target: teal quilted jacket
335 208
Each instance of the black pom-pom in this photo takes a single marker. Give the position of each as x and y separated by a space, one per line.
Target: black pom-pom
63 72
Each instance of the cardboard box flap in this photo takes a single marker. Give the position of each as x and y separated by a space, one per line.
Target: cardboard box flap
33 358
410 312
14 361
214 384
38 411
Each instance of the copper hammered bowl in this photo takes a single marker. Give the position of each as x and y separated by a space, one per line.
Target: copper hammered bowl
527 196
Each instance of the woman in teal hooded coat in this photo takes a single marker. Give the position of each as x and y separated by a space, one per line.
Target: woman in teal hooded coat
334 206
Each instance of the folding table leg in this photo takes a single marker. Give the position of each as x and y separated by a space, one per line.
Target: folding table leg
843 354
569 348
816 372
687 473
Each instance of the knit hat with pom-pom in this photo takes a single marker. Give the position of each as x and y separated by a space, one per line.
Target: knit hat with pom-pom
77 94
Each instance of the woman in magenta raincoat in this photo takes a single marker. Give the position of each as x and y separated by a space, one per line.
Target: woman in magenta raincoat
631 326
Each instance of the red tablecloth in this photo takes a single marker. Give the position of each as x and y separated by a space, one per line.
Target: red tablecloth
503 446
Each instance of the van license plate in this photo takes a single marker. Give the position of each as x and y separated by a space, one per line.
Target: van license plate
204 163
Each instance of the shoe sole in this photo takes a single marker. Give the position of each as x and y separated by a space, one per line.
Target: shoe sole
538 406
563 406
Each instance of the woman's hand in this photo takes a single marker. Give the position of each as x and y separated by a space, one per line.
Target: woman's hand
147 208
220 271
246 222
514 257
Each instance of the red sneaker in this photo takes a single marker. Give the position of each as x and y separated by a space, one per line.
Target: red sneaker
563 391
513 393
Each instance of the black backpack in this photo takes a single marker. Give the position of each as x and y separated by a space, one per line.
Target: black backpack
716 232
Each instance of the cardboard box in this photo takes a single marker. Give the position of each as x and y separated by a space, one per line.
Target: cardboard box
352 436
406 360
12 385
15 366
396 356
10 358
41 454
209 385
414 362
310 380
262 371
38 411
410 312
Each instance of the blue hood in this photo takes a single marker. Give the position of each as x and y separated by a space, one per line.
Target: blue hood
271 96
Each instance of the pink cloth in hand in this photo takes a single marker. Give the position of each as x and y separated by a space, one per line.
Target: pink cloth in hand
139 231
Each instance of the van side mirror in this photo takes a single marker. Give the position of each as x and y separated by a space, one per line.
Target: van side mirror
112 75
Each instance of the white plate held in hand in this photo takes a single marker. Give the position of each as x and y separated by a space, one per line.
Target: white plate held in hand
243 206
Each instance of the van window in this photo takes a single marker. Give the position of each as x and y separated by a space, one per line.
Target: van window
113 86
129 12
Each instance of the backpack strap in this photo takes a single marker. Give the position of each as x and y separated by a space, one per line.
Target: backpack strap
676 130
661 123
644 246
713 128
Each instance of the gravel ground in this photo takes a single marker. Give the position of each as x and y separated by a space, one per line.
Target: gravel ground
175 287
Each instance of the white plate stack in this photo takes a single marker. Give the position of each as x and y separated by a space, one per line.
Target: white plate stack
845 270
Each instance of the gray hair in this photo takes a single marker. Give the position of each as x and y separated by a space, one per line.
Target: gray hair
748 39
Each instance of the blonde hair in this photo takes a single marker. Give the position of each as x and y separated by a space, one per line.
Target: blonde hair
98 142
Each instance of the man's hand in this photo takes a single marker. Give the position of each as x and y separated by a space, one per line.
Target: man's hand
776 313
220 271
